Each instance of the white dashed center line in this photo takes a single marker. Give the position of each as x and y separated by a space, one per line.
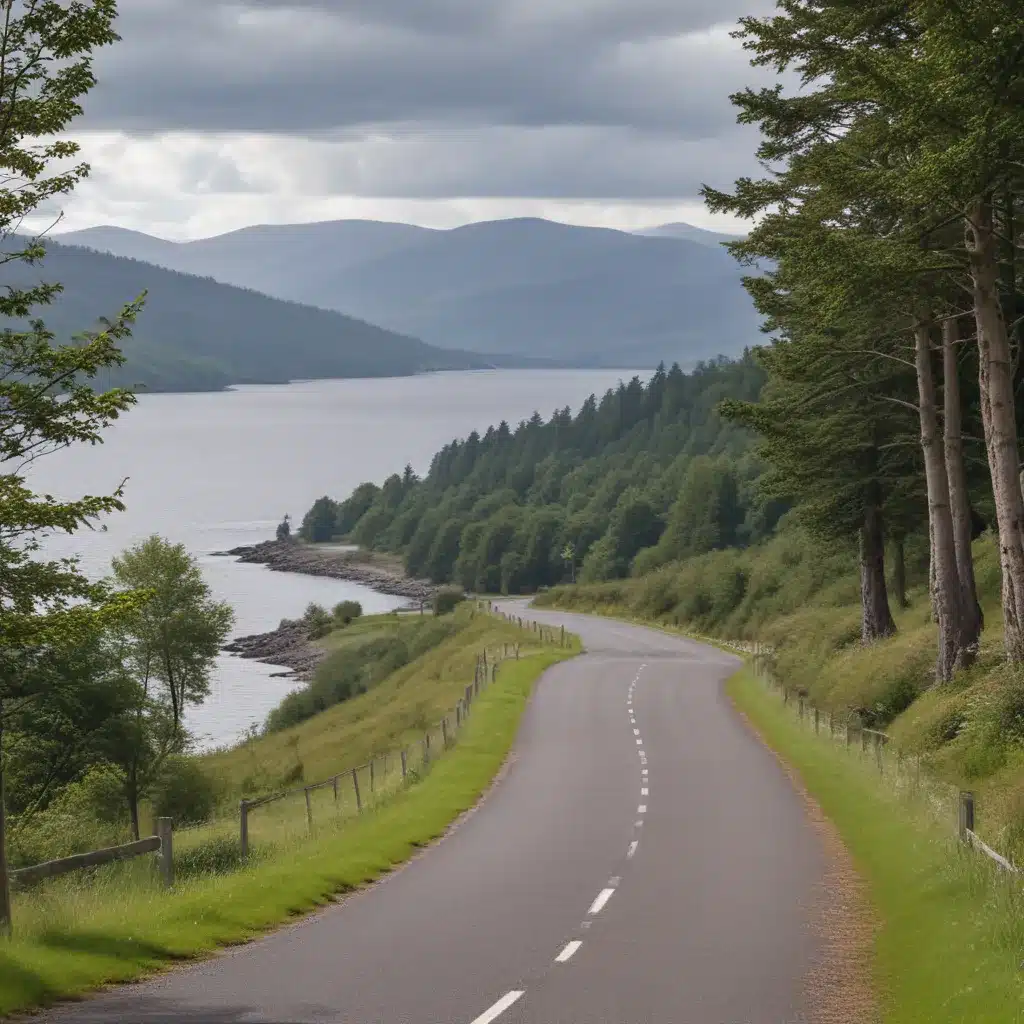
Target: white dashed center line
598 905
632 849
567 953
494 1012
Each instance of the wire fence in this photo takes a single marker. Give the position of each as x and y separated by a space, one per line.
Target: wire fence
905 774
349 793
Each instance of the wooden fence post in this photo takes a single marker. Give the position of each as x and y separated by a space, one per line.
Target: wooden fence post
863 740
878 753
444 732
243 813
458 715
355 786
563 636
816 720
372 773
966 814
404 766
309 811
165 830
334 782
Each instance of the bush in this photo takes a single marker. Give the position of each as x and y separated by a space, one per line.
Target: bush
318 619
184 792
214 857
447 599
346 611
86 815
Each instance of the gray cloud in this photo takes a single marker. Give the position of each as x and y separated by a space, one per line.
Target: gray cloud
569 98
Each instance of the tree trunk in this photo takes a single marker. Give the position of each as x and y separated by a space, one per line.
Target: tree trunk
5 881
999 420
959 495
899 570
876 622
934 611
132 792
947 592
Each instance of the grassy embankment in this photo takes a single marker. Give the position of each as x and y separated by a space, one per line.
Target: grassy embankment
951 939
77 933
952 927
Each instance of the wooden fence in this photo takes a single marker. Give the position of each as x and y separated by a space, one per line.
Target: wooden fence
162 844
389 771
877 742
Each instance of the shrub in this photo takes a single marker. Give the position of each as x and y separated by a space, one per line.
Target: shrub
447 599
86 815
214 857
184 792
318 619
346 611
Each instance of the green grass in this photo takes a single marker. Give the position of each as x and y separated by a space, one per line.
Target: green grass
951 937
79 933
393 714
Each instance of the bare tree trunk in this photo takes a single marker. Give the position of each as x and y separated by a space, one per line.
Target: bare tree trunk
899 570
934 611
876 621
999 420
5 881
959 496
947 593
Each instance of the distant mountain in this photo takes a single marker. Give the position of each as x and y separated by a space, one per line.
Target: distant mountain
689 232
579 295
196 334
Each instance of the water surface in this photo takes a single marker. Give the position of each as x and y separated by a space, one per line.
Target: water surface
217 470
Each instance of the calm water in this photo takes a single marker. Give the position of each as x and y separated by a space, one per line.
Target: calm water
215 471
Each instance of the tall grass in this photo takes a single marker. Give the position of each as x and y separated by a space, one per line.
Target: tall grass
951 935
117 923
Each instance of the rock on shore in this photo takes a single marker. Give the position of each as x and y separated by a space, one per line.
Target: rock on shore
290 646
354 566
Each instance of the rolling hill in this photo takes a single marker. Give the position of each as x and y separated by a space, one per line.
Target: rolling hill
581 296
196 334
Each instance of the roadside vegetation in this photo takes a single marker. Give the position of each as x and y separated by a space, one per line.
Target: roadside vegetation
949 926
115 923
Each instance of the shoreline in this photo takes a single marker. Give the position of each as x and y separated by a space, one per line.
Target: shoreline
290 645
378 572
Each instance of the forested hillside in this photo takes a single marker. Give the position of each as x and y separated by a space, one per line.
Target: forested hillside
647 474
196 334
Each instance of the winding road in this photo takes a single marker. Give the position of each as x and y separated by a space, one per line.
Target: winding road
644 860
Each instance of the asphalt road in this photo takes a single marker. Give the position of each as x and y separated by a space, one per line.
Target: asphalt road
644 861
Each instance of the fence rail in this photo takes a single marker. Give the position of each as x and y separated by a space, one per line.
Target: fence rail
856 733
366 783
161 843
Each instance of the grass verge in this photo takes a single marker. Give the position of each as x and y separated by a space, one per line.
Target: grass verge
951 937
127 932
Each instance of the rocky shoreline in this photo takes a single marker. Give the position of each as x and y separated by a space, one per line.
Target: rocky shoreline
289 646
354 566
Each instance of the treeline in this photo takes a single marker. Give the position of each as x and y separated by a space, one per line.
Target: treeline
890 230
645 475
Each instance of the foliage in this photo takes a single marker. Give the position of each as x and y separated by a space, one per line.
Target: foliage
358 666
515 510
447 599
167 649
183 792
284 529
346 611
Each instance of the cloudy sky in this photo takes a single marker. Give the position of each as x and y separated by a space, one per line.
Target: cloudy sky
213 114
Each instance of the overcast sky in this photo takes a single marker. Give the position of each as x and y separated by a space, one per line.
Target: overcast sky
211 114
